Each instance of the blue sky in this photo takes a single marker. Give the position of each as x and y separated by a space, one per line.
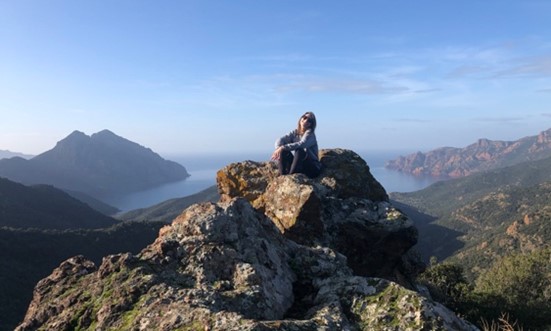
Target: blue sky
211 76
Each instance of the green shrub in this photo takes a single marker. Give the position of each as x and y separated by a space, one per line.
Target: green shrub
446 283
522 284
517 286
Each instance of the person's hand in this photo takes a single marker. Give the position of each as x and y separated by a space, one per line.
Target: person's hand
277 153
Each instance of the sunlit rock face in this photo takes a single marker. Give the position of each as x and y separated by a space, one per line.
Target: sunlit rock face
345 208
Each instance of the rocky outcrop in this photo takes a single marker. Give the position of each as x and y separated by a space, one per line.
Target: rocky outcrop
252 262
344 173
345 208
483 155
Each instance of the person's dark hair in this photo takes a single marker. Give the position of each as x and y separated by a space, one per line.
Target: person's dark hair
312 118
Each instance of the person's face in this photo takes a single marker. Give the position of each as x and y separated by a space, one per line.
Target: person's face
306 121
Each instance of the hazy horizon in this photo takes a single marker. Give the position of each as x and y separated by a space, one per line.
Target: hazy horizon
266 153
215 76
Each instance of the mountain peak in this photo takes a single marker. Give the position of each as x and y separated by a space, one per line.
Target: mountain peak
483 142
105 134
77 133
101 135
76 136
116 141
101 165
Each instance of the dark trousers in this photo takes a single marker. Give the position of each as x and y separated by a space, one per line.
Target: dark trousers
297 163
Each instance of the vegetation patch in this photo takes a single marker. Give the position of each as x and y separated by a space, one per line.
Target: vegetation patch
516 286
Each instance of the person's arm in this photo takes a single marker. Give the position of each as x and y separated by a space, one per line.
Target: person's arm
286 139
308 139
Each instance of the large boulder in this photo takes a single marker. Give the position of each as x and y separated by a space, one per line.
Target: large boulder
247 179
345 208
294 205
348 175
225 266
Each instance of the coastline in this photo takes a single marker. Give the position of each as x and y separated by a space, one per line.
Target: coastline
203 168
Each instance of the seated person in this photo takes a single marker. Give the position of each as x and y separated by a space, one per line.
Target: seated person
303 142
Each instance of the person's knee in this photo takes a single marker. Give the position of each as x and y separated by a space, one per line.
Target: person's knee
287 155
300 153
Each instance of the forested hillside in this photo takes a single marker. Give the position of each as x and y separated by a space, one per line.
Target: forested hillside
167 211
496 212
45 207
491 233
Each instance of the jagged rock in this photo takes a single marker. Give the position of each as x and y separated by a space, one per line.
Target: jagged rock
64 277
345 208
348 175
233 248
247 179
225 266
215 264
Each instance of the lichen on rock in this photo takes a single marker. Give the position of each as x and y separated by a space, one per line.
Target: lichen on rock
345 208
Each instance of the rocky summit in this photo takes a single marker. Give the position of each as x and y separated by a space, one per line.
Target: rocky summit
275 253
345 209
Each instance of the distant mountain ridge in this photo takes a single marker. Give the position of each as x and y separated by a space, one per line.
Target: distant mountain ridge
99 165
45 207
168 210
5 154
483 155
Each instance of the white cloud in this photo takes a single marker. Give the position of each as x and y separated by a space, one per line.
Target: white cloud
412 120
352 86
428 90
502 120
527 67
467 70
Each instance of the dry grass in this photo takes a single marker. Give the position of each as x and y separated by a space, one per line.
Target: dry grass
502 324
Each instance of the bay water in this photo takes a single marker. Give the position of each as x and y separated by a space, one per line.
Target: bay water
203 168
